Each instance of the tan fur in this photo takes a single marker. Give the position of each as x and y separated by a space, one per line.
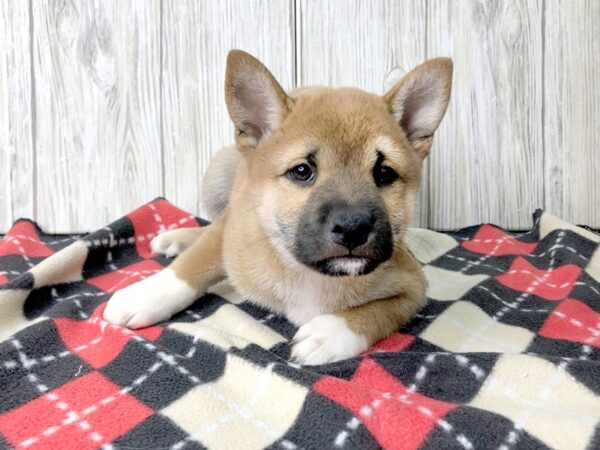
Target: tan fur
345 127
378 319
201 265
421 138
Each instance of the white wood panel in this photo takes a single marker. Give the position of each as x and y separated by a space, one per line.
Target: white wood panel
367 44
97 88
572 110
127 101
16 149
197 36
487 161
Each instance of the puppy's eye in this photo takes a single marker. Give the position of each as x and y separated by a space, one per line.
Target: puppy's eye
384 175
302 173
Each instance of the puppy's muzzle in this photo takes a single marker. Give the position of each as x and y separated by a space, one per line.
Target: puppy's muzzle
350 228
340 238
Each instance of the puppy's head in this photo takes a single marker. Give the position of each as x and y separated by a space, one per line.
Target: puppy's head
336 171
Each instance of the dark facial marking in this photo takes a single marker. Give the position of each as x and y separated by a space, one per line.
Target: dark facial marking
333 228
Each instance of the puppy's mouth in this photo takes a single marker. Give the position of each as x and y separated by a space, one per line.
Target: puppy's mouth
346 265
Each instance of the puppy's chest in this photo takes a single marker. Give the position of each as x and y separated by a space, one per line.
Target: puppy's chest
300 293
304 300
299 298
302 297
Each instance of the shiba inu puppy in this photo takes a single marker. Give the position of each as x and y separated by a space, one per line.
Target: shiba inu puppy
310 209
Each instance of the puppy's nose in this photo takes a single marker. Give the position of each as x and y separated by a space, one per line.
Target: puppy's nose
350 228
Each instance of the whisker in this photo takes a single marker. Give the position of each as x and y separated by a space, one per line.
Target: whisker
248 210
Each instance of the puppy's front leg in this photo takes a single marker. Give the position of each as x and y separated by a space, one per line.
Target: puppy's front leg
174 288
333 337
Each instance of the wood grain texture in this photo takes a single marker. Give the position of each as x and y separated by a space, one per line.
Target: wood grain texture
105 104
487 161
572 110
366 44
98 133
197 35
16 147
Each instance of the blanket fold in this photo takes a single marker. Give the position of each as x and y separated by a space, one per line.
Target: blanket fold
506 353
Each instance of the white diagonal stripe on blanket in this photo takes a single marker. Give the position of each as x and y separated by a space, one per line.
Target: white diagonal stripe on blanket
52 397
565 331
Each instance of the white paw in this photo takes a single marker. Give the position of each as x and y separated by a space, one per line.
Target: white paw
149 301
165 244
326 339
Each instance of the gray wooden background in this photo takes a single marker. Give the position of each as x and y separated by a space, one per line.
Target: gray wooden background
107 104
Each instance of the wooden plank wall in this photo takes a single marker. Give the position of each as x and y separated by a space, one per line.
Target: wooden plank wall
572 110
97 105
17 164
197 36
105 104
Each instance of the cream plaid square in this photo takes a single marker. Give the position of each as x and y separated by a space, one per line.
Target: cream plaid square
593 267
12 318
64 267
448 285
428 245
248 407
549 223
229 326
464 327
543 399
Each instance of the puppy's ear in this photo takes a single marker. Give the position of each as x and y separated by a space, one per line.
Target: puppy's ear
419 100
256 102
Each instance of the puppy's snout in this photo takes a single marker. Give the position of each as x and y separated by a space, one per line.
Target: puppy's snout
350 228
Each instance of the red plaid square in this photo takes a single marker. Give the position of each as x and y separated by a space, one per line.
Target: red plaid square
22 239
120 278
85 413
493 241
573 321
395 343
398 418
98 342
551 284
149 220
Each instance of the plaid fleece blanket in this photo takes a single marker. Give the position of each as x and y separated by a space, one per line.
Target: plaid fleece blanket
506 353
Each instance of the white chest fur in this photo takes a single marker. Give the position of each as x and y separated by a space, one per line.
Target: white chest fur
302 294
308 296
273 278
